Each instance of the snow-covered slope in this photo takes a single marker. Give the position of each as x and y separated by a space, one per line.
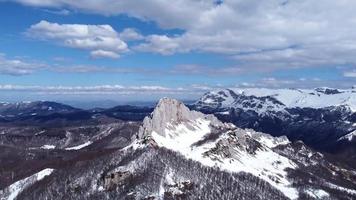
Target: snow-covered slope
229 99
11 192
277 99
349 137
291 98
205 139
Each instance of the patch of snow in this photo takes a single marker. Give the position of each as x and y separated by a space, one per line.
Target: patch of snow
271 141
224 113
11 192
48 146
317 193
349 137
347 190
41 132
79 146
354 124
181 137
266 165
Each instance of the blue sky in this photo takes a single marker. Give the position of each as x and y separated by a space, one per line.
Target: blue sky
133 50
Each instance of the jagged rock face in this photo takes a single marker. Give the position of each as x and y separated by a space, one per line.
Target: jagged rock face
172 112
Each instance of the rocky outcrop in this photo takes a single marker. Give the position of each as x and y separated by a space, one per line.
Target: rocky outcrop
167 114
179 190
114 179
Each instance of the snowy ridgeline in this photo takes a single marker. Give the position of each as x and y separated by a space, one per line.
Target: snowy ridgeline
349 137
11 192
79 146
248 151
290 98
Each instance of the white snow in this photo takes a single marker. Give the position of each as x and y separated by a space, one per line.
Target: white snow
271 141
304 98
224 99
317 193
181 137
175 127
354 124
79 146
11 192
347 190
48 146
41 132
224 113
349 136
266 164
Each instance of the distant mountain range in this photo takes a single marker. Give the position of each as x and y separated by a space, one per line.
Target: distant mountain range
175 153
229 144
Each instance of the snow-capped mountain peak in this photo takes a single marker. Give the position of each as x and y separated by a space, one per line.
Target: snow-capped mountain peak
306 98
205 139
170 114
263 101
219 98
226 99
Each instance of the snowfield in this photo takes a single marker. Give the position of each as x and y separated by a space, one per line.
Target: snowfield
79 146
290 98
312 98
11 192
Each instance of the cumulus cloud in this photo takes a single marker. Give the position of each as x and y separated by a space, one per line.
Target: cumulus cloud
130 34
101 40
159 44
269 34
18 67
172 14
104 54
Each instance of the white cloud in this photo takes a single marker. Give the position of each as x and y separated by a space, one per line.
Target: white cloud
58 12
130 34
265 35
168 14
100 40
159 44
350 74
98 89
104 54
18 67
